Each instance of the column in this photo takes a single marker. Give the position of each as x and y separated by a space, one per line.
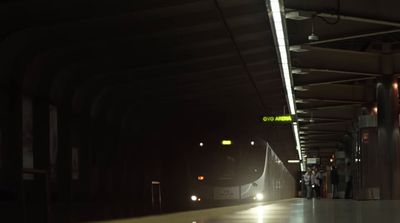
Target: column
41 157
64 161
388 137
11 168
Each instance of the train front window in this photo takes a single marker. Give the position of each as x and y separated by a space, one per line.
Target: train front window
224 167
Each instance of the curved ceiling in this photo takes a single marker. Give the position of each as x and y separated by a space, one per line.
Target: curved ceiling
213 60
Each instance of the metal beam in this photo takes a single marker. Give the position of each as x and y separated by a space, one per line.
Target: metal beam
360 19
330 100
334 81
329 107
351 37
324 123
319 140
325 119
324 149
308 14
313 69
322 144
321 131
309 135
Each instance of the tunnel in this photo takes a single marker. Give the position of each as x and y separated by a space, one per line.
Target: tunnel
199 111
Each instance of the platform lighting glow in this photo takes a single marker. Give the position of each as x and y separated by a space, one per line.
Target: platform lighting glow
275 9
395 86
252 143
193 198
201 144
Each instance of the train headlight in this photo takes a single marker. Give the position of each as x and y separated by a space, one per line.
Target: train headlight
193 198
259 196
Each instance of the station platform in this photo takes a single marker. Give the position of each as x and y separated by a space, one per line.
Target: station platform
296 210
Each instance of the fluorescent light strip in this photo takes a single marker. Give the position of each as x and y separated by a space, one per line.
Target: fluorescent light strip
293 161
276 11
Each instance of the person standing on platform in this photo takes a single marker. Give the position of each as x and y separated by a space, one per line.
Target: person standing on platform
307 181
335 182
316 181
349 182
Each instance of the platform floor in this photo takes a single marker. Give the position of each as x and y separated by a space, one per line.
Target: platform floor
291 211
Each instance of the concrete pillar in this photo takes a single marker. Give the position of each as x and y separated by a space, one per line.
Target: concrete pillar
64 161
41 157
11 168
41 135
388 137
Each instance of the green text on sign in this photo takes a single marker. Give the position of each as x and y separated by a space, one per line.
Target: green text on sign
278 118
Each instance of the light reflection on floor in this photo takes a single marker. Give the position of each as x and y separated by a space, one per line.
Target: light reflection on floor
288 211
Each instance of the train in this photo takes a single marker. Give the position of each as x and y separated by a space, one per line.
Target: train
231 171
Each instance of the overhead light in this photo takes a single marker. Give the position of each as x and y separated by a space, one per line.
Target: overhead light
298 48
299 15
302 111
252 143
312 36
300 88
201 144
275 9
293 161
299 71
300 101
193 198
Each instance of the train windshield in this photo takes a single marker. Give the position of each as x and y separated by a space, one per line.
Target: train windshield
229 165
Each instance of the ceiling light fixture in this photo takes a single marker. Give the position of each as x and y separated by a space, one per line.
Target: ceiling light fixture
300 88
312 36
299 15
293 161
275 10
299 71
298 49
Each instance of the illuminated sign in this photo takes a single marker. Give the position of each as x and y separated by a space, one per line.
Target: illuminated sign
279 118
313 161
226 142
